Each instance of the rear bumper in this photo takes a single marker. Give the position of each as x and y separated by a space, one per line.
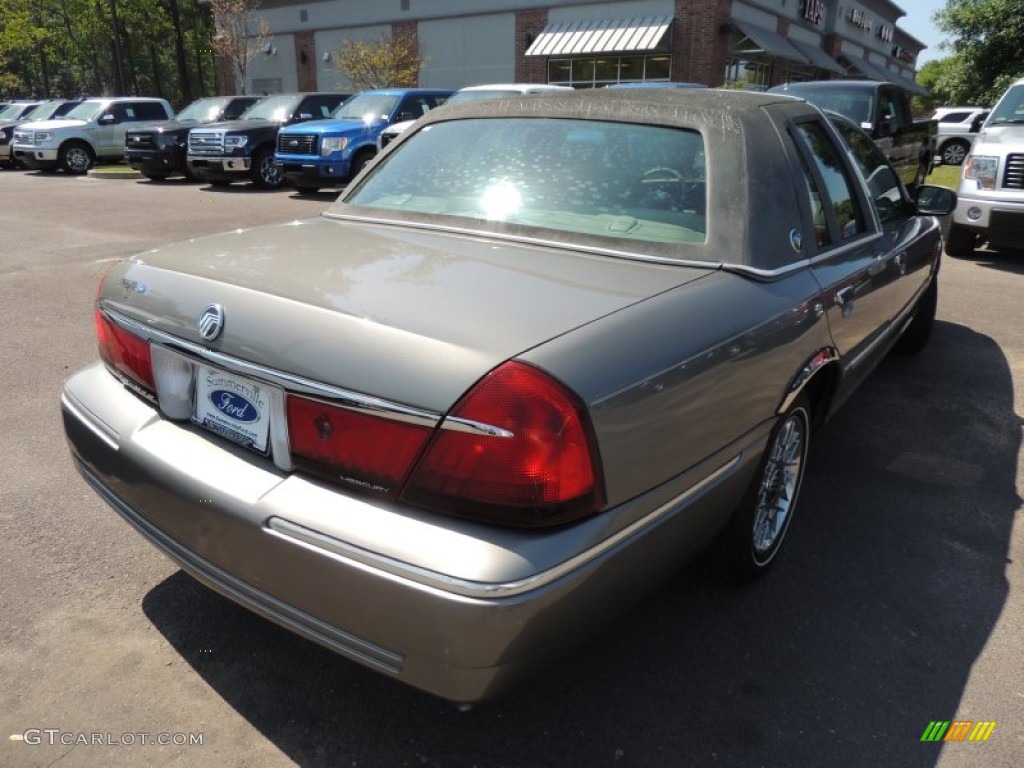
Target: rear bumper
353 575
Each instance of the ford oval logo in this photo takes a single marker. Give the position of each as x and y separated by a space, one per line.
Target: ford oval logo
233 405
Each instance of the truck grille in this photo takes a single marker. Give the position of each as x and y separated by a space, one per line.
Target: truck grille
296 144
205 142
24 137
1014 176
139 140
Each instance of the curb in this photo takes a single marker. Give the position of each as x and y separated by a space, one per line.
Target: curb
127 173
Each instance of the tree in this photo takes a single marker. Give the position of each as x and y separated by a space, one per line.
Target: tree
240 33
986 38
387 62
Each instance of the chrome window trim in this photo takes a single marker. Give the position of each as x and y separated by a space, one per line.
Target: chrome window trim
477 233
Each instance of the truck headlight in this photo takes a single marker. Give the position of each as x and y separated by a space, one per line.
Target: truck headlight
43 136
329 144
235 142
983 170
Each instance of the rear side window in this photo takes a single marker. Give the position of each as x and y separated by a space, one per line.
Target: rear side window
144 110
832 190
954 117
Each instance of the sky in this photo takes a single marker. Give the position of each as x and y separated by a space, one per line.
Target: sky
918 22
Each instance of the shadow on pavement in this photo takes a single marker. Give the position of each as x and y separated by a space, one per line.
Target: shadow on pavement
1003 260
865 631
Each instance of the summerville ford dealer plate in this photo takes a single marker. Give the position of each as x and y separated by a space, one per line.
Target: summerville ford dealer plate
233 406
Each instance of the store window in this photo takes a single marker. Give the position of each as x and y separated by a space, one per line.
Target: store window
598 71
747 75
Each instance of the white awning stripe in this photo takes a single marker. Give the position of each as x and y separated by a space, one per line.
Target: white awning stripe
602 36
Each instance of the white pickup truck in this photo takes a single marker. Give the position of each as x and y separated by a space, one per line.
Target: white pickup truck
94 130
990 203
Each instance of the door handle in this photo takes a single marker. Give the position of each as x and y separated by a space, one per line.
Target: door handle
844 296
901 262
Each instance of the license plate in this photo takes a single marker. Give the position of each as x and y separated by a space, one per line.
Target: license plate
233 407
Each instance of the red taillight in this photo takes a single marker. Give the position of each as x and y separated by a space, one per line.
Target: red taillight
544 472
124 351
359 450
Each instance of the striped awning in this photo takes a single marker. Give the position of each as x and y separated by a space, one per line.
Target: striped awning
818 57
642 33
756 39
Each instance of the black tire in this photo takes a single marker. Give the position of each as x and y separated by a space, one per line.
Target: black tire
76 158
960 241
915 336
954 151
362 157
263 172
751 541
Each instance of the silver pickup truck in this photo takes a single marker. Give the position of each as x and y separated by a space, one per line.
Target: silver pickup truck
991 192
94 130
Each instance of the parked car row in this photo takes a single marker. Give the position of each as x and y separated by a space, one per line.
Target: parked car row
958 126
16 113
542 351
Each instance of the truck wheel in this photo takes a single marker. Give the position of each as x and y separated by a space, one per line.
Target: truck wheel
915 336
264 173
960 241
954 152
75 157
362 157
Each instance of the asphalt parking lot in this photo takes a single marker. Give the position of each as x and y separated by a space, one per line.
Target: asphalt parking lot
900 600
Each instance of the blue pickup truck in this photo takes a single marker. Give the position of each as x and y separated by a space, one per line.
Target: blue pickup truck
325 153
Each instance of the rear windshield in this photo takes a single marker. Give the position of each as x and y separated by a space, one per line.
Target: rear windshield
599 179
855 103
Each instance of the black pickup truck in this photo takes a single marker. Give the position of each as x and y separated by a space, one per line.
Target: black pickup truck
883 110
240 150
158 150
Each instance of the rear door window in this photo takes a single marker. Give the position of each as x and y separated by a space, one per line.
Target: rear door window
833 191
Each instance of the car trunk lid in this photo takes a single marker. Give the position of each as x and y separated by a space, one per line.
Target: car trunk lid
410 316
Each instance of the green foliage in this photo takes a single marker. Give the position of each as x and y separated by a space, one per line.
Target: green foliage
54 48
387 62
986 39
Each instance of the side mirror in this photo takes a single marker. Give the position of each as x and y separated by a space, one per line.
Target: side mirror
931 200
305 116
107 119
887 126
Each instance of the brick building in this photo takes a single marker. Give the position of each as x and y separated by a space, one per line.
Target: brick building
741 43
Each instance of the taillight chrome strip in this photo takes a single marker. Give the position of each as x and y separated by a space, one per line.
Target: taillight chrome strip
343 398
